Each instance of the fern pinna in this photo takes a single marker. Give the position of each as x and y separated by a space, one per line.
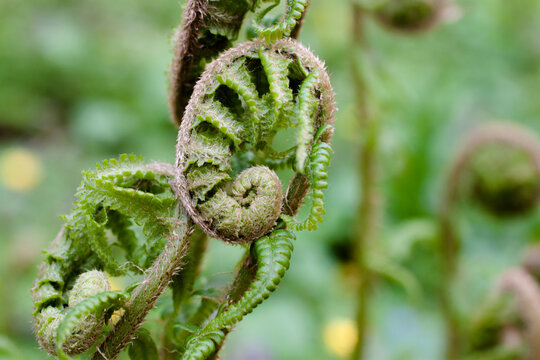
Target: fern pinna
246 105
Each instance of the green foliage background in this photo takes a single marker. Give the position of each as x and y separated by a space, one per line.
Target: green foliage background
84 80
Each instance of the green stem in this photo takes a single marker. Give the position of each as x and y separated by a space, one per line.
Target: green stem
144 297
449 250
245 275
366 213
182 288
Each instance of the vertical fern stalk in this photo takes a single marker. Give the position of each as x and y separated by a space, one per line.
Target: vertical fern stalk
367 212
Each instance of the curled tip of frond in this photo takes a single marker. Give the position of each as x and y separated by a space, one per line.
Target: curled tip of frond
501 162
88 284
71 307
84 332
414 16
242 101
526 291
509 322
250 211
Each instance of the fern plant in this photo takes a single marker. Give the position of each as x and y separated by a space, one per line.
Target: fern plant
498 168
149 223
507 326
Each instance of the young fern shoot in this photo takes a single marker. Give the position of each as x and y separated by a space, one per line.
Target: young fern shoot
241 102
508 326
72 300
502 165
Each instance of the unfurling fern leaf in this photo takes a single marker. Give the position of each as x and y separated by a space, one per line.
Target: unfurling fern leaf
242 102
224 177
71 292
273 254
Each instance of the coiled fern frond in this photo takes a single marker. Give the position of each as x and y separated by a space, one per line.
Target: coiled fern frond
509 324
233 136
72 289
273 254
494 183
242 101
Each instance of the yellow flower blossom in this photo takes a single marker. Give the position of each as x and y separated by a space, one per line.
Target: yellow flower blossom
340 336
20 170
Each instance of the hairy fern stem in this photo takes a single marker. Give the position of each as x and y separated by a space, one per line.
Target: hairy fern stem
145 295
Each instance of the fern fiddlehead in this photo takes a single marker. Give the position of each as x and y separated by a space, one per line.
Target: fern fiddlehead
71 294
497 186
250 94
411 15
510 323
242 100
